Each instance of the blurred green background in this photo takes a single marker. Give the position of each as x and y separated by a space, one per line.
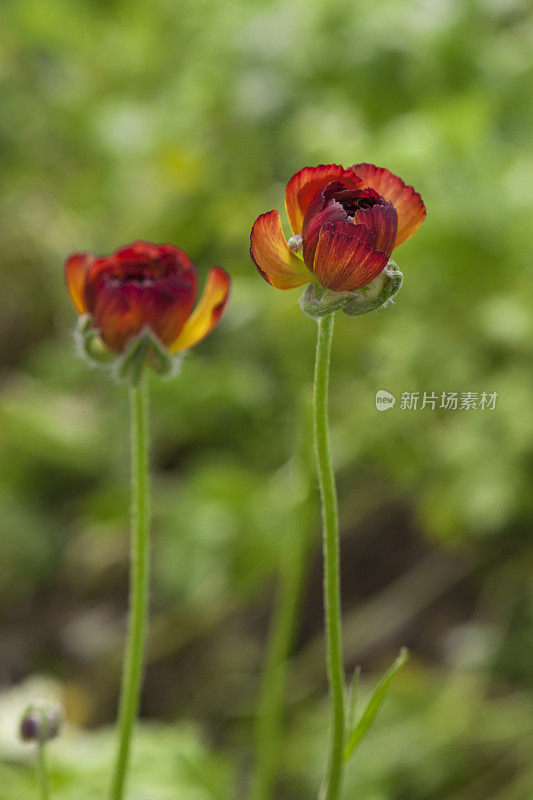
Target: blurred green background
182 122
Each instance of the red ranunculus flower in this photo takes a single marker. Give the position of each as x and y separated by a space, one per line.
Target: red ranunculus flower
144 285
346 223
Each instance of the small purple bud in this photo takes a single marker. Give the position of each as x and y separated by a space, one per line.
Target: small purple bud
30 726
41 722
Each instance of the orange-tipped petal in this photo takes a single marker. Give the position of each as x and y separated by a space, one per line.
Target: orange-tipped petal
304 184
408 203
208 311
276 263
76 268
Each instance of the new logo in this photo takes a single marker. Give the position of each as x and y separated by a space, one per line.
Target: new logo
384 400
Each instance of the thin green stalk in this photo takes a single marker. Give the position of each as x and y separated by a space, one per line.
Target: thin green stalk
139 577
42 772
331 550
291 575
270 709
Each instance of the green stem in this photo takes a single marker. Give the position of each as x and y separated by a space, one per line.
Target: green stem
270 709
42 772
291 575
330 542
139 576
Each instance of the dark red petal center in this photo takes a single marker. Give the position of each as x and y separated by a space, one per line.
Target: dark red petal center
336 203
354 199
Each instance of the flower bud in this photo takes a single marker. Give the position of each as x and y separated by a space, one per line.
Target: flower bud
41 722
345 225
135 306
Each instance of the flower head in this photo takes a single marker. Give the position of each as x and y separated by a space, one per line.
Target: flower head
40 722
346 222
145 287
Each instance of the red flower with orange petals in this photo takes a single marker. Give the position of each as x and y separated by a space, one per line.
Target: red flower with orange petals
346 223
145 286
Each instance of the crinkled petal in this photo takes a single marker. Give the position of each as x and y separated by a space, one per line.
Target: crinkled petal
141 249
382 220
319 214
159 259
328 205
270 252
76 270
303 186
140 261
408 203
345 258
208 311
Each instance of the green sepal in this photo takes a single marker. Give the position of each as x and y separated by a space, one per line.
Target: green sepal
317 301
377 294
90 342
145 351
362 726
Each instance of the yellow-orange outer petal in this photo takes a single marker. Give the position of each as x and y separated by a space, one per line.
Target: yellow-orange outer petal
76 269
408 203
303 186
208 311
270 252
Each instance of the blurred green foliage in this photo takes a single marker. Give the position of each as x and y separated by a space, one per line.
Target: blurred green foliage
182 122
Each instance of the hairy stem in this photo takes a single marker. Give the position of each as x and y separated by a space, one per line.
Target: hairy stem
331 554
139 577
42 771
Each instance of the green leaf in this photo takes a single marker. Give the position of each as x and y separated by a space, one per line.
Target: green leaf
374 704
352 699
